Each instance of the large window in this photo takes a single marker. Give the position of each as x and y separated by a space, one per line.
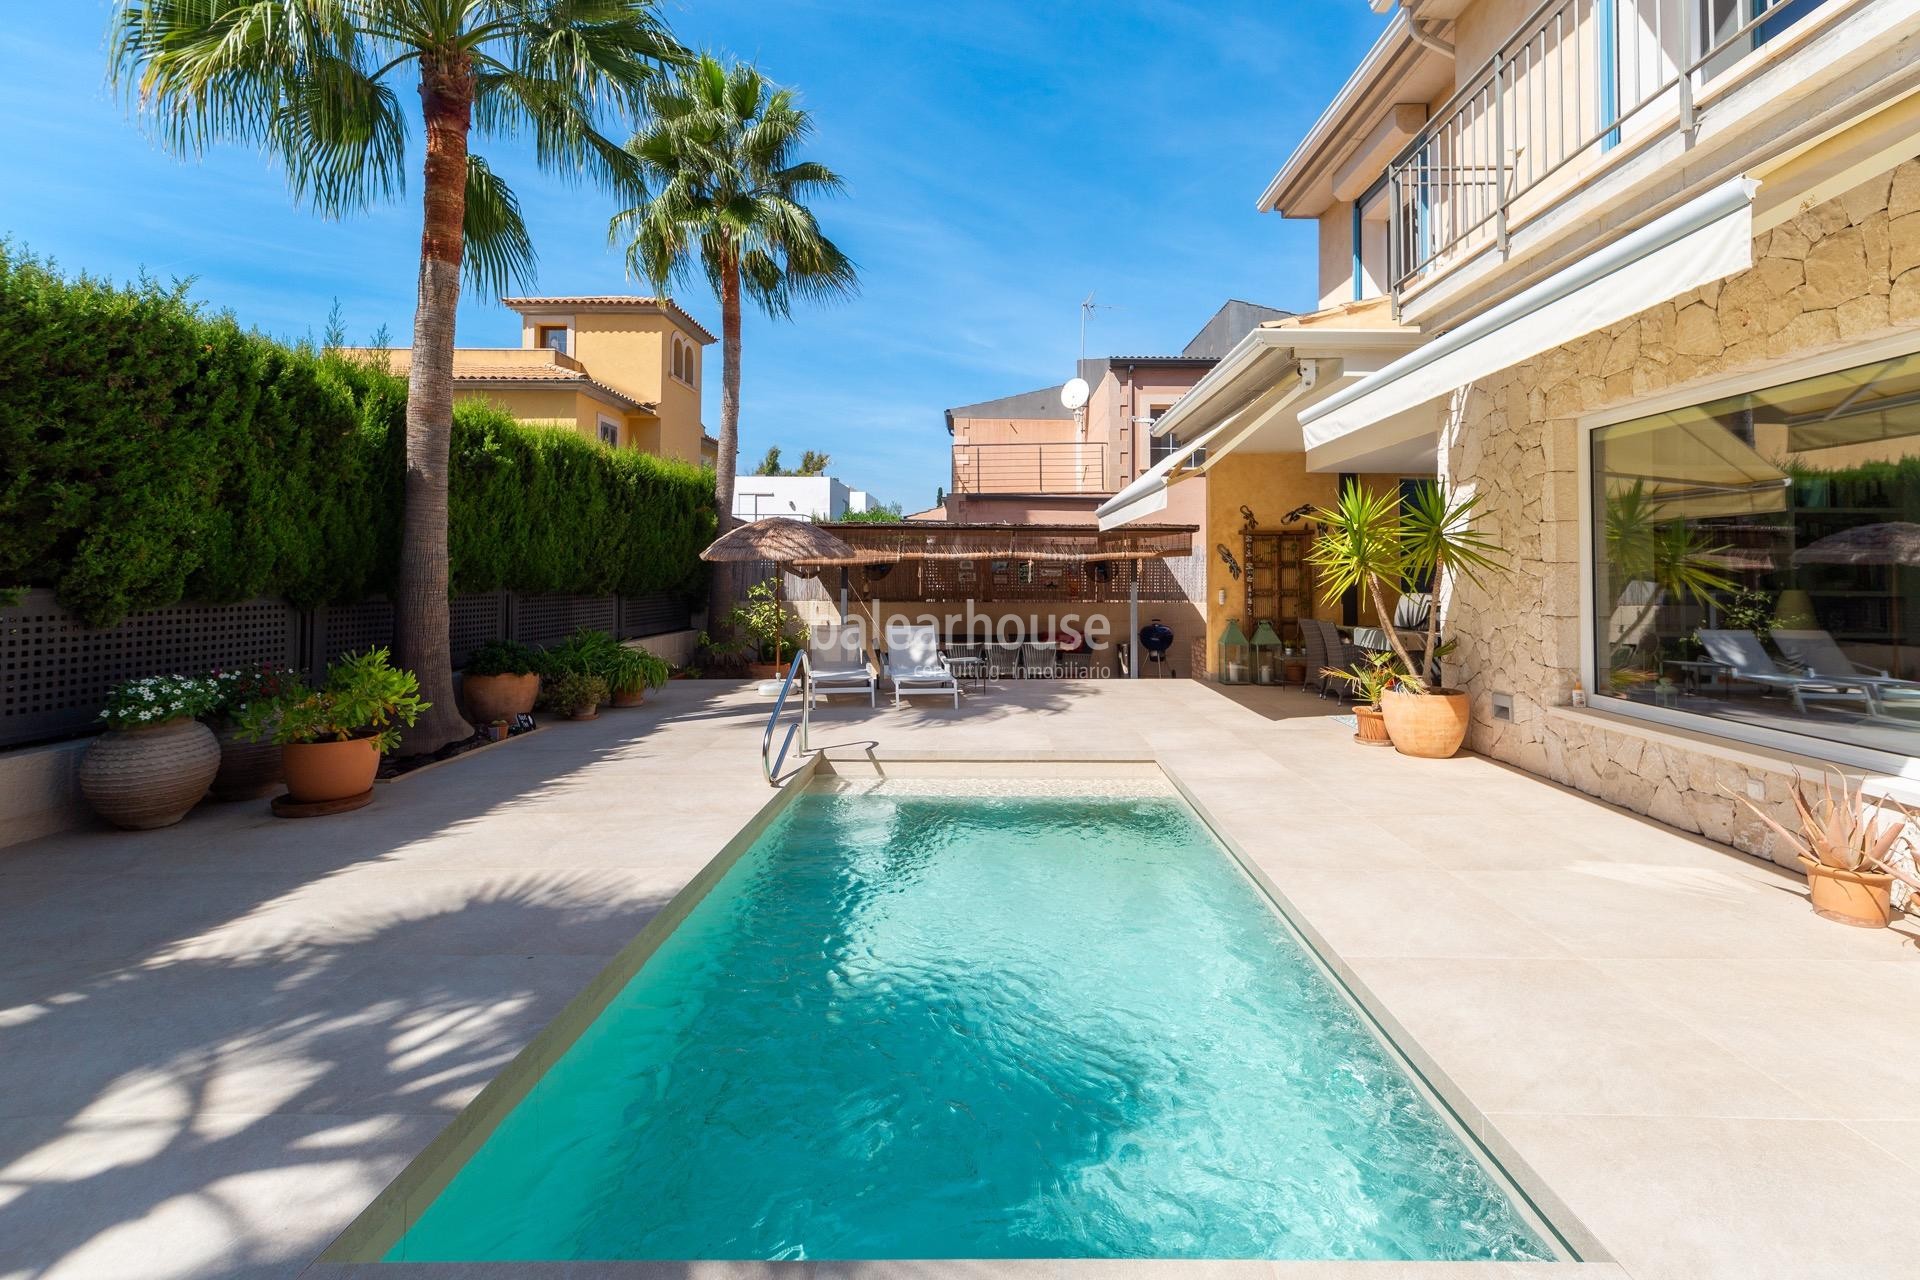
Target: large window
1757 558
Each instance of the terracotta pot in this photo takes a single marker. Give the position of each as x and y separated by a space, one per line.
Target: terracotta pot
1430 725
1371 727
321 771
491 698
1295 673
150 777
634 699
248 770
591 712
1863 898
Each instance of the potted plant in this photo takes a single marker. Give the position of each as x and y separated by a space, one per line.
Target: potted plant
155 760
247 769
500 681
332 738
1371 677
576 695
1847 850
770 631
1417 540
630 672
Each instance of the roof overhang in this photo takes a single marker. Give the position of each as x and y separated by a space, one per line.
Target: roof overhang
599 391
1704 240
1251 403
1399 73
607 304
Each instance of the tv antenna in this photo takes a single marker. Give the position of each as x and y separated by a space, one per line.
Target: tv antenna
1087 307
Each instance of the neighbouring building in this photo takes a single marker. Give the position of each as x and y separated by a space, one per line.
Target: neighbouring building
797 498
618 369
1029 459
1644 276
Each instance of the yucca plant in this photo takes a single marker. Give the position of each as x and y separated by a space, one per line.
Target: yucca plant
1423 539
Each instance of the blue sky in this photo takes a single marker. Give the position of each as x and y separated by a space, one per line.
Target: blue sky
1003 159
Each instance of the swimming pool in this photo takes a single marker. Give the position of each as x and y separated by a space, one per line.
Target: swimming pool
936 1019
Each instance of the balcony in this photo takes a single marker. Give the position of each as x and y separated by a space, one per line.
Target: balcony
1580 85
1055 468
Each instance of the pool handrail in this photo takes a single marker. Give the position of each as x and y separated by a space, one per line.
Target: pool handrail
769 763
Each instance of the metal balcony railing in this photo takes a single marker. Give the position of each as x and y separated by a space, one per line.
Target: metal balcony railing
1577 79
1061 467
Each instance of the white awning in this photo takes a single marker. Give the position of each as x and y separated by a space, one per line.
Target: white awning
1702 241
1148 494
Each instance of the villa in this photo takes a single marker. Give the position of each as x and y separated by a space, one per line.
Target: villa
623 370
1638 280
904 920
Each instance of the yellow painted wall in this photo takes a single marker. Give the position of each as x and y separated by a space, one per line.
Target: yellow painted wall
1270 484
631 351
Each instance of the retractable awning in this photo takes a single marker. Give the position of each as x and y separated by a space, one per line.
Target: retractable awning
1704 240
1148 494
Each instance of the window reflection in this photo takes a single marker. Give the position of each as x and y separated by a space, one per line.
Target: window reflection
1757 558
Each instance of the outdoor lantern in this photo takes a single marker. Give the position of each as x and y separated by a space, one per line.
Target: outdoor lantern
1233 654
1265 641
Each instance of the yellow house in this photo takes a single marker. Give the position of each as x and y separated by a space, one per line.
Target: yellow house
620 369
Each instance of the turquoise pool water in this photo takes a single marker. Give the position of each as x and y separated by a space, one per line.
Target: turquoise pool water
909 1024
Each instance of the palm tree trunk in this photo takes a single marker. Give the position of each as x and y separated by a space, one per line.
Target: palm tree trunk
720 592
1379 595
421 615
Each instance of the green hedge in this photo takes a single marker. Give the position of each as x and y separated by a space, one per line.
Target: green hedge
151 453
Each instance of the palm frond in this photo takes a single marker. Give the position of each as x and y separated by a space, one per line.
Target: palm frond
1361 548
499 252
725 191
1439 538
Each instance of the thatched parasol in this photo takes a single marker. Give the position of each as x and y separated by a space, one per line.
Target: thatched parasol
1895 542
782 541
778 539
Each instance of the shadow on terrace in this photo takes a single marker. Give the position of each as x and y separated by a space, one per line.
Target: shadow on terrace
229 1034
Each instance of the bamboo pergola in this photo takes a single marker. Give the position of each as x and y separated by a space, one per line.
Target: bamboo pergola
874 545
944 540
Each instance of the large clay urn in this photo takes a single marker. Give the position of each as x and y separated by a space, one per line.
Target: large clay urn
1431 725
503 697
151 776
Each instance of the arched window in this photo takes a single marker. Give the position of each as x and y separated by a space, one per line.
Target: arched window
692 352
679 370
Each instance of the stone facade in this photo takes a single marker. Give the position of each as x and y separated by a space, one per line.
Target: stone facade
1844 272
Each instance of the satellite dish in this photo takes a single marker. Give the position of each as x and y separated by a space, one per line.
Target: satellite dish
1075 393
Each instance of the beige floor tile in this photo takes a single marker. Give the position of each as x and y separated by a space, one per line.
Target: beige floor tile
1682 1199
1559 1036
1836 1032
1405 912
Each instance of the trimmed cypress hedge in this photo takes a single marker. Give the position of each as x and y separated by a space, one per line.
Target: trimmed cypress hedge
151 453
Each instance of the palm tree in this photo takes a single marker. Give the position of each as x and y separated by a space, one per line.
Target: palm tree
722 184
314 84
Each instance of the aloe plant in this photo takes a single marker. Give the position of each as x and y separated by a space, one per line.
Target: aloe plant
1843 831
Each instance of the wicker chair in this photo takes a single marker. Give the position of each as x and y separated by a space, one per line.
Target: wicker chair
1342 655
1316 654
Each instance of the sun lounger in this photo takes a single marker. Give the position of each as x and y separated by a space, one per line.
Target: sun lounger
1819 654
915 666
838 666
1741 654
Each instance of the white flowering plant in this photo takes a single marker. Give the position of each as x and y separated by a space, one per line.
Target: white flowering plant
154 700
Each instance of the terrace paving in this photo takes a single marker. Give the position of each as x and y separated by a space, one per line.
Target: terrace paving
218 1042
